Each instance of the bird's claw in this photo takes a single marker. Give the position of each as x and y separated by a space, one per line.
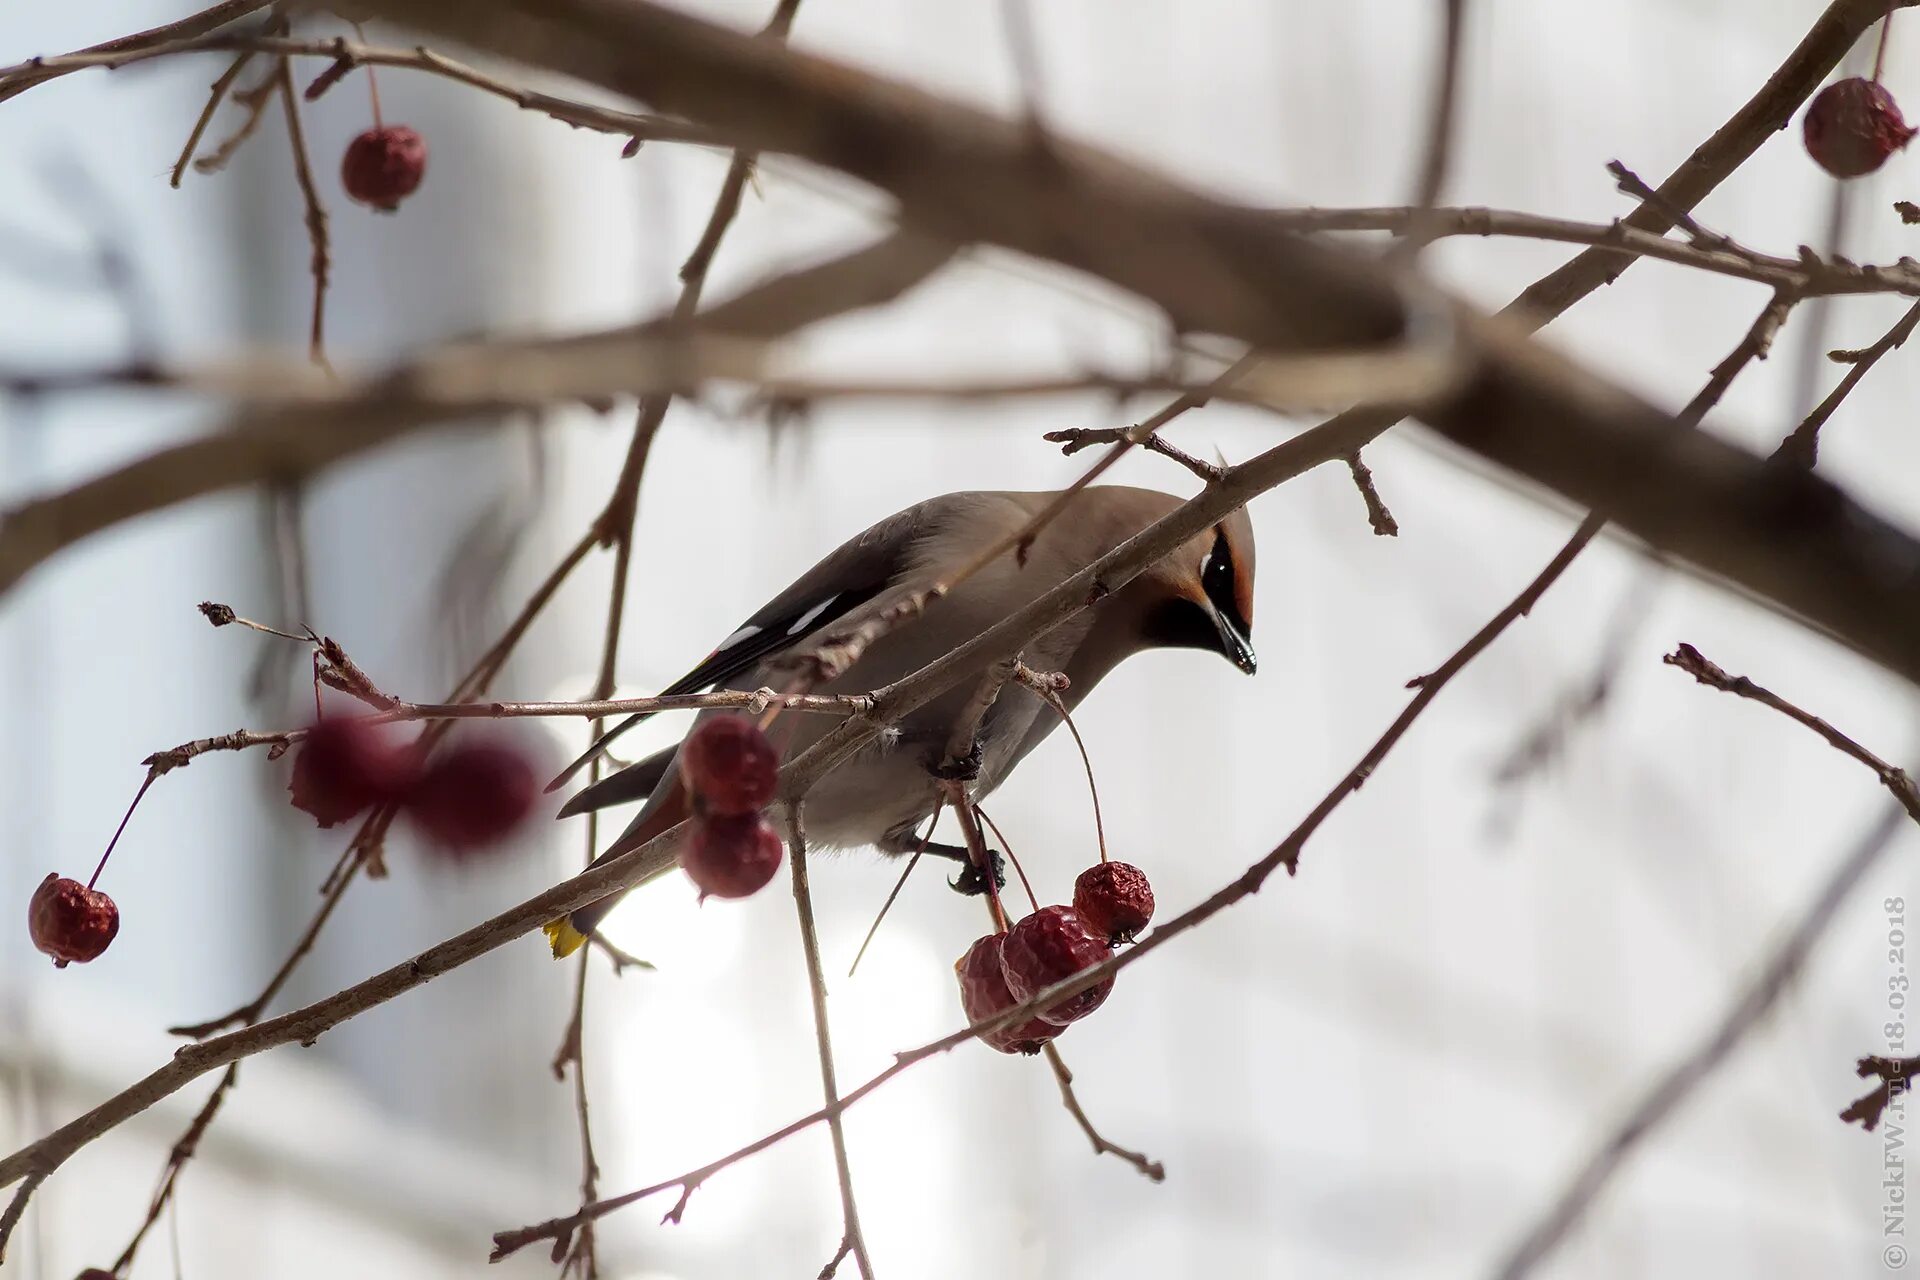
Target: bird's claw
972 884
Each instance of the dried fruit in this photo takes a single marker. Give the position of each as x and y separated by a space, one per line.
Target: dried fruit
731 855
69 921
346 766
1114 899
1853 126
731 766
474 793
983 993
1048 946
384 166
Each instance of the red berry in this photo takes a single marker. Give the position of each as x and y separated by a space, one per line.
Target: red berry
731 855
983 993
731 765
1049 946
346 766
1853 126
1114 899
69 921
473 794
383 166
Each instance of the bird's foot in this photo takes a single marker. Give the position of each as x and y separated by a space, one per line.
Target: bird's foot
972 884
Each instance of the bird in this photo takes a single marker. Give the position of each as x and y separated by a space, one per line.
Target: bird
1197 596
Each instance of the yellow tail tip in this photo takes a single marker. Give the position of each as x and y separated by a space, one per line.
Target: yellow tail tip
563 938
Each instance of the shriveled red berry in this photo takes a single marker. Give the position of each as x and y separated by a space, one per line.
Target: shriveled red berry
731 855
384 166
69 921
731 766
1048 946
1853 126
1114 899
473 794
983 993
346 766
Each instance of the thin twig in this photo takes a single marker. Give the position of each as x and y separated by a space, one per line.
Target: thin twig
18 79
316 213
1808 273
1775 974
823 1037
177 1158
1073 439
217 96
1703 669
1802 445
254 101
1149 1167
16 1207
1378 517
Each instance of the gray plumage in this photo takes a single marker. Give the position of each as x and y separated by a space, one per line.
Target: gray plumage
1198 596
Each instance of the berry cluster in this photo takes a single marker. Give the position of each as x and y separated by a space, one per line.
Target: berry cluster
731 770
469 796
1111 902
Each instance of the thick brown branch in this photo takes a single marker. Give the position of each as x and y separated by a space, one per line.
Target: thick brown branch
1795 540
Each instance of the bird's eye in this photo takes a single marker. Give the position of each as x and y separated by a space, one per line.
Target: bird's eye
1217 580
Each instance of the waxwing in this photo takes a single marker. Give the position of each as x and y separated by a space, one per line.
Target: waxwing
1199 596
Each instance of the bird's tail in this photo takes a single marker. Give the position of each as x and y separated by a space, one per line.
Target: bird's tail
567 935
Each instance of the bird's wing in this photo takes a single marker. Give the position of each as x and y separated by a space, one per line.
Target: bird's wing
852 575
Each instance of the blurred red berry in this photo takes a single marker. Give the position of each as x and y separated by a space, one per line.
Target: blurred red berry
69 921
731 766
1049 946
473 794
731 855
983 993
1114 899
384 166
1853 126
346 766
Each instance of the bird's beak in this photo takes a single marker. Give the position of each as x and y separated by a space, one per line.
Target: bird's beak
1237 647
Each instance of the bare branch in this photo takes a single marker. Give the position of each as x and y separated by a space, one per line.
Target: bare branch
1150 1168
17 80
1803 445
1758 998
855 1242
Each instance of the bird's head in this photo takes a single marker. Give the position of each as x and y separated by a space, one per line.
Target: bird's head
1200 596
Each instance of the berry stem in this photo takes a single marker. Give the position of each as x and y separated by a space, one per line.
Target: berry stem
1880 54
898 885
1059 704
1024 882
126 818
373 86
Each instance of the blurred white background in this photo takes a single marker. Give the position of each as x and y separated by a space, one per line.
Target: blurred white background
1386 1066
